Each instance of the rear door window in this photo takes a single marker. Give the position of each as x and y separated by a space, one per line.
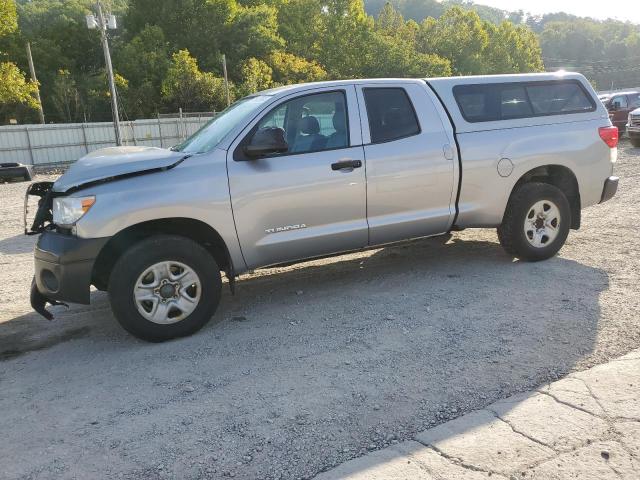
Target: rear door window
391 114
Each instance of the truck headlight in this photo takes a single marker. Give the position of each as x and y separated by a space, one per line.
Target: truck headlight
68 210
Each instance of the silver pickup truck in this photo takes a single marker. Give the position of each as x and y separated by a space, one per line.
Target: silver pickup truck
310 170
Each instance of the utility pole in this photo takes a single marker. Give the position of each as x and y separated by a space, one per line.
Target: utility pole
102 24
226 80
32 70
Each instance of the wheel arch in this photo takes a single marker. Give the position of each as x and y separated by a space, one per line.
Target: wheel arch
193 229
559 176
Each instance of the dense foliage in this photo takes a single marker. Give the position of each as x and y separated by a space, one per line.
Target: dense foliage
167 54
16 93
607 52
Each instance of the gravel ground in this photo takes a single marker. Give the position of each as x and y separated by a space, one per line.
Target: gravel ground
312 364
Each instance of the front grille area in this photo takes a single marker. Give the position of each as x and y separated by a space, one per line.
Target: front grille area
634 120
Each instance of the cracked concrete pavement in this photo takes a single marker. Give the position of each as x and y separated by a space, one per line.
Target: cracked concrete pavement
585 426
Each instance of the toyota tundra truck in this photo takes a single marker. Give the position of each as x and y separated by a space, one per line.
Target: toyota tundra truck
317 169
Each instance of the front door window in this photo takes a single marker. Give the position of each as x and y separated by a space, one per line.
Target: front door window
311 123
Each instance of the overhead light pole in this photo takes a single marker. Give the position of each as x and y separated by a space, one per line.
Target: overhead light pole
104 22
34 79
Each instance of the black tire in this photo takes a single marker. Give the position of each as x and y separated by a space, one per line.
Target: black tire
143 255
511 233
635 141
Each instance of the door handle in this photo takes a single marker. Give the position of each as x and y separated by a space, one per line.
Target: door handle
346 164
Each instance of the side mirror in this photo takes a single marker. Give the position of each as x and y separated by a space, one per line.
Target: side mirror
266 141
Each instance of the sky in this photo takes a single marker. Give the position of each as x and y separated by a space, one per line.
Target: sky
625 10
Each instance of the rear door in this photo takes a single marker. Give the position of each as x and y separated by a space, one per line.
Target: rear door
410 162
311 200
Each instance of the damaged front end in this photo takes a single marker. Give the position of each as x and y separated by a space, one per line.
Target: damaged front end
42 221
43 218
63 260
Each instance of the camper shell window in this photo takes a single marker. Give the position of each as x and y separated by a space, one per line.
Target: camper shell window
506 101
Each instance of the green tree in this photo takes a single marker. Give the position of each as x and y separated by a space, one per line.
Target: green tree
512 49
394 51
256 76
300 25
390 21
288 68
144 62
65 96
16 93
459 36
185 86
60 40
252 32
345 38
8 17
199 26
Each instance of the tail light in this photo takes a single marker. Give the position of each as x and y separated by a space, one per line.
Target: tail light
609 135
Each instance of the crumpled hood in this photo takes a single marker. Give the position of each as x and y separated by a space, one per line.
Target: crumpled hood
113 162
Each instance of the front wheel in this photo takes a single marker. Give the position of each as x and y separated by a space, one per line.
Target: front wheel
635 141
164 287
536 222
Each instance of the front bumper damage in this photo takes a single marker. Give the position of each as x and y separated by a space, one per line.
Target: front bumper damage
63 270
63 262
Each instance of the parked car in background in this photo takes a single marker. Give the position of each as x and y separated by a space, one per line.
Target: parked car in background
310 170
15 172
633 127
619 105
604 97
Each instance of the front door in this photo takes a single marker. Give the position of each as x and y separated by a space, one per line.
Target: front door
310 200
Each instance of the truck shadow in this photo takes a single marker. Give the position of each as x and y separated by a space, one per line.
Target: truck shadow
395 339
17 244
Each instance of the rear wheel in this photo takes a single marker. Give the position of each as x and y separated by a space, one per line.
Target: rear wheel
164 287
536 222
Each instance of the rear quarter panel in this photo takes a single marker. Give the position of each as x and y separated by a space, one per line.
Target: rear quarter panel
575 145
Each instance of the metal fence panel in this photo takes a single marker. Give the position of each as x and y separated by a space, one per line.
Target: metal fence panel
63 143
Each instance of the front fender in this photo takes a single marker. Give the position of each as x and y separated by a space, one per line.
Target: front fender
196 190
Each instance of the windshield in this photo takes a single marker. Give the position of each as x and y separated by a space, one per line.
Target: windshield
215 129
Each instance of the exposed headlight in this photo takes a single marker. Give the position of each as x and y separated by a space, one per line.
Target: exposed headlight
68 210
